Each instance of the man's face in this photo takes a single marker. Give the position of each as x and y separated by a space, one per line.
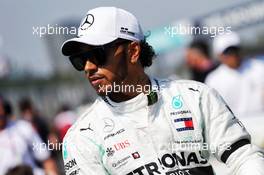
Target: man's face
114 69
194 58
230 60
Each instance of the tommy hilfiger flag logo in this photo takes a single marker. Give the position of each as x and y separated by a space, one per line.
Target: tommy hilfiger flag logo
183 124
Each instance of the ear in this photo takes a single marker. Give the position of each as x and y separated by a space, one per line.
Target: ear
134 51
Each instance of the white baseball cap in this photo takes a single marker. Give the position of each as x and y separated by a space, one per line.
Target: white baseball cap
224 41
103 25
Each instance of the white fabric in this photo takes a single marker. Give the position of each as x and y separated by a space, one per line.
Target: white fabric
103 25
20 144
133 138
243 89
224 41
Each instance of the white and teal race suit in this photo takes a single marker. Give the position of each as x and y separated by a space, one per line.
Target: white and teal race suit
173 131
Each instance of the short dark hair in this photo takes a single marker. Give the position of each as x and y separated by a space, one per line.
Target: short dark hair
25 104
8 110
233 50
147 54
202 46
20 170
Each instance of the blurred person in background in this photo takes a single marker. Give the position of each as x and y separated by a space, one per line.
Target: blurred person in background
21 145
20 170
145 131
28 113
64 120
240 81
198 59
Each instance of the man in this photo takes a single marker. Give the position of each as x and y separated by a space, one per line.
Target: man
64 120
28 113
198 59
141 125
240 81
21 145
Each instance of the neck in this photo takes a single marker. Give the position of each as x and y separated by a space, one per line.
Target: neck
131 87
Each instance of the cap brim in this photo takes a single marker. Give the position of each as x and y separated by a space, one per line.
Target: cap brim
73 46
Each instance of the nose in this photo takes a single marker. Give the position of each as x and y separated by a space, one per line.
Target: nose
90 67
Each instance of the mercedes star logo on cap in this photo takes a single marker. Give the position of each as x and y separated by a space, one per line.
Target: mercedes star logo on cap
87 22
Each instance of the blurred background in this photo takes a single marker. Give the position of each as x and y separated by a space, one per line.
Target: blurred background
34 72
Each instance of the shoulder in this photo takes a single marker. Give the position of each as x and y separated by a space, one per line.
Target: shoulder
220 71
85 136
189 95
195 94
181 85
253 70
22 123
188 89
257 64
23 126
256 61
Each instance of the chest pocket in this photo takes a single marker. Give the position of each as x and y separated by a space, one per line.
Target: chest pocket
124 149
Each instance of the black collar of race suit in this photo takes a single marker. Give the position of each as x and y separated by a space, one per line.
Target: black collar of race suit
152 96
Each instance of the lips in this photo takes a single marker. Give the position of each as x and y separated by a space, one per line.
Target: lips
95 80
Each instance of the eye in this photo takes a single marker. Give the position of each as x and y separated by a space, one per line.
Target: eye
100 57
77 62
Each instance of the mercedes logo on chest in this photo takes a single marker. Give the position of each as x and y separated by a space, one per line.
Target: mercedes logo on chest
109 125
